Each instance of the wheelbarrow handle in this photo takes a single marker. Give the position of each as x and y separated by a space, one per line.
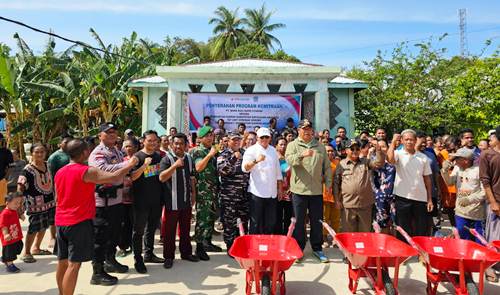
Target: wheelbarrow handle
481 238
291 228
328 228
240 226
412 243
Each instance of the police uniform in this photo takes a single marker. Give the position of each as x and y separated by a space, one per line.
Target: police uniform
109 212
233 193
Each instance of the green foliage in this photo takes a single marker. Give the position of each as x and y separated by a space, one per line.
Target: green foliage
426 91
259 27
251 50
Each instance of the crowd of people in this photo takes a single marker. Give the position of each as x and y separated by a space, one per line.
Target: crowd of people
105 200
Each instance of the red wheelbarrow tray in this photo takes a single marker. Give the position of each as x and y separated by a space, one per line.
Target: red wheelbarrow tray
265 248
362 248
445 253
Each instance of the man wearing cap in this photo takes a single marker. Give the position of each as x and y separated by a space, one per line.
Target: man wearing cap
207 182
109 208
470 204
353 186
233 189
262 162
310 168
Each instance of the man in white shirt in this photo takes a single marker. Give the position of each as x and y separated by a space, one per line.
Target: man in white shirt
413 184
262 162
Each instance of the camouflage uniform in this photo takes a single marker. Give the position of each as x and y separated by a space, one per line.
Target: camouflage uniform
206 197
233 193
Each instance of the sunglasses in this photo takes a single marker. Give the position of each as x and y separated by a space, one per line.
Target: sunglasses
265 137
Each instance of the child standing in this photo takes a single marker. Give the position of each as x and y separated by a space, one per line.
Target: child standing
11 233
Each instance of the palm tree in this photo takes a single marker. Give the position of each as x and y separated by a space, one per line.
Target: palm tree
228 30
260 28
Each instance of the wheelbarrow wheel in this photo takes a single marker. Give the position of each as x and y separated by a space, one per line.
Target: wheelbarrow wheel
266 285
471 286
389 287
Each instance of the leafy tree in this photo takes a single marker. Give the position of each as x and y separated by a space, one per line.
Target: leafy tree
259 28
228 31
282 55
426 91
251 50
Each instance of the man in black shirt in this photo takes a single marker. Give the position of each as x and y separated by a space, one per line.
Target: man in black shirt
147 192
177 174
6 159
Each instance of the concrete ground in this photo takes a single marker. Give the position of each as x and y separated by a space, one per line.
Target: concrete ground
220 275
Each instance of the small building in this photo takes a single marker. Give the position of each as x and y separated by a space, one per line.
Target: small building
246 90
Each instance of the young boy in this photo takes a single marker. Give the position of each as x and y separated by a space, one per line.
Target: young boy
11 232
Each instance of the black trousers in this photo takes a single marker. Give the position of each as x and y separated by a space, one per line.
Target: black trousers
313 207
412 216
146 218
107 223
284 212
262 215
127 226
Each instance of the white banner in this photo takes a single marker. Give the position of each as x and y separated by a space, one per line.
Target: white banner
251 109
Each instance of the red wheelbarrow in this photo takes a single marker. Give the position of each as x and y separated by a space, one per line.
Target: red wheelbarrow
453 260
266 258
370 255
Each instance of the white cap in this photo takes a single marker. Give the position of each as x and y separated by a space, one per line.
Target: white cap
492 131
263 131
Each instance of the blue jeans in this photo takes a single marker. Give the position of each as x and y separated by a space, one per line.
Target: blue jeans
461 222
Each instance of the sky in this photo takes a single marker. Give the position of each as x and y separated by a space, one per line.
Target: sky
333 33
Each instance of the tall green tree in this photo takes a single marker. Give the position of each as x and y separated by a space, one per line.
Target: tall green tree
228 31
259 27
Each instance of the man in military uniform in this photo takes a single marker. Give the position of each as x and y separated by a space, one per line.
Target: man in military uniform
233 190
207 191
109 208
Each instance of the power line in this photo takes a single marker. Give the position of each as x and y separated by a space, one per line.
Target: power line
80 43
391 43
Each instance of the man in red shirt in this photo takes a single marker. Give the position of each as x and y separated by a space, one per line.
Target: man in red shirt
75 187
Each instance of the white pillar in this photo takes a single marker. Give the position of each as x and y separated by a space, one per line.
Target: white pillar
321 108
145 106
174 109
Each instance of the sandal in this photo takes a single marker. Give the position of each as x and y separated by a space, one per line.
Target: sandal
41 252
491 276
28 258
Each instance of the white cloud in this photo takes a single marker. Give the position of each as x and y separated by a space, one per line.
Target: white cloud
152 7
385 12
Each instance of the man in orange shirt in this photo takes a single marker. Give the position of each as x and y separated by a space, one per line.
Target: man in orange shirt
331 215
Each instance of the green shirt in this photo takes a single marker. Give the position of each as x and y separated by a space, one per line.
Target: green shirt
209 174
308 174
56 161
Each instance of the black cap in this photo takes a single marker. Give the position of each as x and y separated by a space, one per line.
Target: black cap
304 124
107 126
352 142
290 120
233 134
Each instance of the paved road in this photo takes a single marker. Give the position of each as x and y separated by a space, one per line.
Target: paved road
220 275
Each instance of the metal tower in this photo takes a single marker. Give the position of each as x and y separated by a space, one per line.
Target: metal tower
462 13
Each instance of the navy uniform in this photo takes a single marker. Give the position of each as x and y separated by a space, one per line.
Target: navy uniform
233 192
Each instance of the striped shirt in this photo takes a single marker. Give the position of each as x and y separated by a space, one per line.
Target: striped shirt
177 189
